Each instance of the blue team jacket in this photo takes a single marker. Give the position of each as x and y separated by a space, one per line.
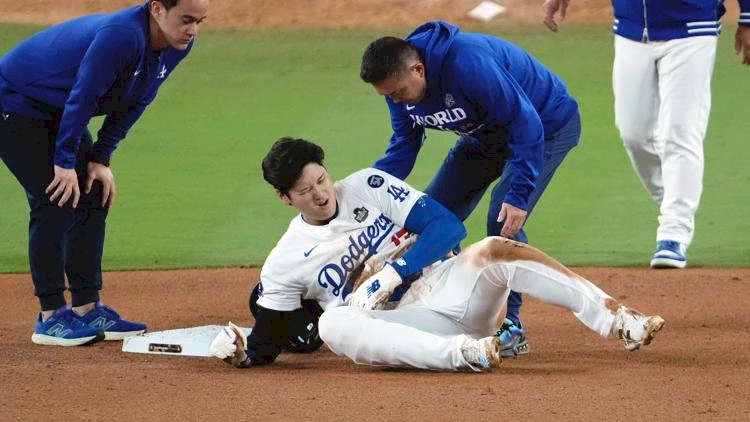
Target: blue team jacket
90 66
661 20
484 88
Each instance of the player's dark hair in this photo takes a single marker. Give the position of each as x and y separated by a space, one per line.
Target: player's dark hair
387 57
283 164
168 4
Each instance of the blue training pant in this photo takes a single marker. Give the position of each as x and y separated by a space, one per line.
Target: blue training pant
62 240
468 170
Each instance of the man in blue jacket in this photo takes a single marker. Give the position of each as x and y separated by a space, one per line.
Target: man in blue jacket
664 57
515 120
51 85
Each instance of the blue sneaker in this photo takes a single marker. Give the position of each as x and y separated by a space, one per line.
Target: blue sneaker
513 339
115 328
669 254
65 328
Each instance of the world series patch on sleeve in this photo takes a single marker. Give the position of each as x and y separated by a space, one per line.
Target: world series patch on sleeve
191 341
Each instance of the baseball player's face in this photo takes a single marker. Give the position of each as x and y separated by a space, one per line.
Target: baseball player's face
313 195
408 87
177 26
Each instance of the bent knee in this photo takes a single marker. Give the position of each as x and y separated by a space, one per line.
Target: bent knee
334 324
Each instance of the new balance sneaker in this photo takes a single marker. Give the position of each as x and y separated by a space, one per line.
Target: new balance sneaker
65 328
513 339
634 328
481 355
669 254
115 328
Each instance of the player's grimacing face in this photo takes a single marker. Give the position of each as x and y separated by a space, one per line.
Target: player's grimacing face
313 195
408 87
178 25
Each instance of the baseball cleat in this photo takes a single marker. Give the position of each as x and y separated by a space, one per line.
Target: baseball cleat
481 355
635 329
669 254
513 339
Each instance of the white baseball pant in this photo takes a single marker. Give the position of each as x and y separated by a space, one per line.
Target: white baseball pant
466 297
662 95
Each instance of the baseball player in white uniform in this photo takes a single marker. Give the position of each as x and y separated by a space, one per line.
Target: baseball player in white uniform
664 58
375 253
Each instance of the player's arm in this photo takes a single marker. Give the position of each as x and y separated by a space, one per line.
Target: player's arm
261 347
504 102
112 51
405 143
440 231
117 124
742 35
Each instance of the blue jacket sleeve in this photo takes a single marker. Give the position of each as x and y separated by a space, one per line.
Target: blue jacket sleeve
506 107
111 50
439 232
406 141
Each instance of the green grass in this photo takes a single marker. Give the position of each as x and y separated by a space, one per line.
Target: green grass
190 192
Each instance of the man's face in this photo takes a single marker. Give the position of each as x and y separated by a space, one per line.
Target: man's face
313 195
178 25
408 87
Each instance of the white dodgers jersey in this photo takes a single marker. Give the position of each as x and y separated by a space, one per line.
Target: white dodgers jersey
323 262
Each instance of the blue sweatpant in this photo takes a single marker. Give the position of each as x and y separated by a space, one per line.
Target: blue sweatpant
468 170
62 240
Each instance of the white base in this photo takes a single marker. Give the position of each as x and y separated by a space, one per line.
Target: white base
192 341
486 11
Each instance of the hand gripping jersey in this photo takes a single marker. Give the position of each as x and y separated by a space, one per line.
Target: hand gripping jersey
323 262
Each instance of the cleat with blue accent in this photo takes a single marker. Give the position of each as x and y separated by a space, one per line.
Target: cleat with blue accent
513 339
669 254
65 328
115 328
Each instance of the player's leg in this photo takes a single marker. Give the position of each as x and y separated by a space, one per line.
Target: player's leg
500 264
27 147
412 336
635 84
84 250
685 86
466 173
85 245
556 148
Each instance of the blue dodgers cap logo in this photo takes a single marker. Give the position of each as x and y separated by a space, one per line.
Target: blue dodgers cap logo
375 181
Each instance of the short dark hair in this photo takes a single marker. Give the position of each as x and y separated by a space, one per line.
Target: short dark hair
168 4
283 164
387 57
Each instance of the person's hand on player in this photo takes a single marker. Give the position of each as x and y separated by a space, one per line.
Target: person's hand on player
742 43
64 186
550 8
103 174
512 219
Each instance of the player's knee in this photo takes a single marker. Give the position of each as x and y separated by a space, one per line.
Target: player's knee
335 324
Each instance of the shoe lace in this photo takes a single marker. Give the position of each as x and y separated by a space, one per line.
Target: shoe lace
70 319
506 328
